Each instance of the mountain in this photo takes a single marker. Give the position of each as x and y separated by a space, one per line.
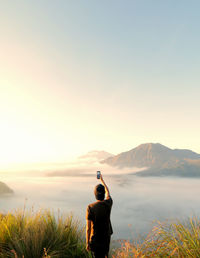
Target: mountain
96 155
158 160
4 189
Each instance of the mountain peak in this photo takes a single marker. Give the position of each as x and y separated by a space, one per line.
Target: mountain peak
151 145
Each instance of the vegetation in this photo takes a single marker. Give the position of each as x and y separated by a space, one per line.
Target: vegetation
177 239
40 234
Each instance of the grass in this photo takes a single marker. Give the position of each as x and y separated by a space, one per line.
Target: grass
40 234
177 239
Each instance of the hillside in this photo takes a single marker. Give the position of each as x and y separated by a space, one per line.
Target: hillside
4 189
158 160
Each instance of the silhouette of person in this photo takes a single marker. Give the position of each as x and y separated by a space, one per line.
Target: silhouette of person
98 225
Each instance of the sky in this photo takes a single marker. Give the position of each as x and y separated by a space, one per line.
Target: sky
77 76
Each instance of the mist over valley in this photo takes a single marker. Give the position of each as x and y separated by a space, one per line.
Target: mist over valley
138 200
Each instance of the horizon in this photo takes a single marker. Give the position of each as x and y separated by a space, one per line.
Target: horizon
79 76
70 163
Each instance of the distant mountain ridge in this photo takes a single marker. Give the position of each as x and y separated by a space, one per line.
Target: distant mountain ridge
158 160
97 155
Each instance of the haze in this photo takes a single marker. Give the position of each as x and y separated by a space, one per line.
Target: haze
138 201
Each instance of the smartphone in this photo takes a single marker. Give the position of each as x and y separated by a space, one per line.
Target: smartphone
98 174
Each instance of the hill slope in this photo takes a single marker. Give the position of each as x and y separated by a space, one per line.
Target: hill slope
4 189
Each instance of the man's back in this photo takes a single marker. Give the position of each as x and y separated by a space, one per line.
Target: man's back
99 213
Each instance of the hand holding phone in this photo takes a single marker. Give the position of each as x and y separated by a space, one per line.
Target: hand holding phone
98 174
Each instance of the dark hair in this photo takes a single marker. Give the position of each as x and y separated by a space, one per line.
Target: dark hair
99 192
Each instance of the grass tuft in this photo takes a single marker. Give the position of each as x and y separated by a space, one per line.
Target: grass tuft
177 239
40 234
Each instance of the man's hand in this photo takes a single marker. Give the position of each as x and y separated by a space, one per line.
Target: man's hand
87 247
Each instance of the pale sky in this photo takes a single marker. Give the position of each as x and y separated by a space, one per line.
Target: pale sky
105 75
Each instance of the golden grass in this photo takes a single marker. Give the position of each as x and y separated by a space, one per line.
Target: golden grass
40 234
177 239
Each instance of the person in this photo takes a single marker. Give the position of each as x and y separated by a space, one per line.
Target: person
98 224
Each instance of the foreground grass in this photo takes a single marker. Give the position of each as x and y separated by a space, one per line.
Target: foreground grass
40 234
178 239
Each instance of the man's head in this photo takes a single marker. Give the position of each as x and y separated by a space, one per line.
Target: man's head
99 192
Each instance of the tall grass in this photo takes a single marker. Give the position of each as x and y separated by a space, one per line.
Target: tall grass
177 239
40 234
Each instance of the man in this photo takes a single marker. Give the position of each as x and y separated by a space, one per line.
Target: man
98 225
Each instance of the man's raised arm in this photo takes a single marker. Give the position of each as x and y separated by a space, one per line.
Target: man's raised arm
107 193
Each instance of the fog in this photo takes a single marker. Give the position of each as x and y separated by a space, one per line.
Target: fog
137 201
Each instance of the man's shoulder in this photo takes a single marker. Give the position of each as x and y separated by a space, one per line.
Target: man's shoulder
109 200
91 205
